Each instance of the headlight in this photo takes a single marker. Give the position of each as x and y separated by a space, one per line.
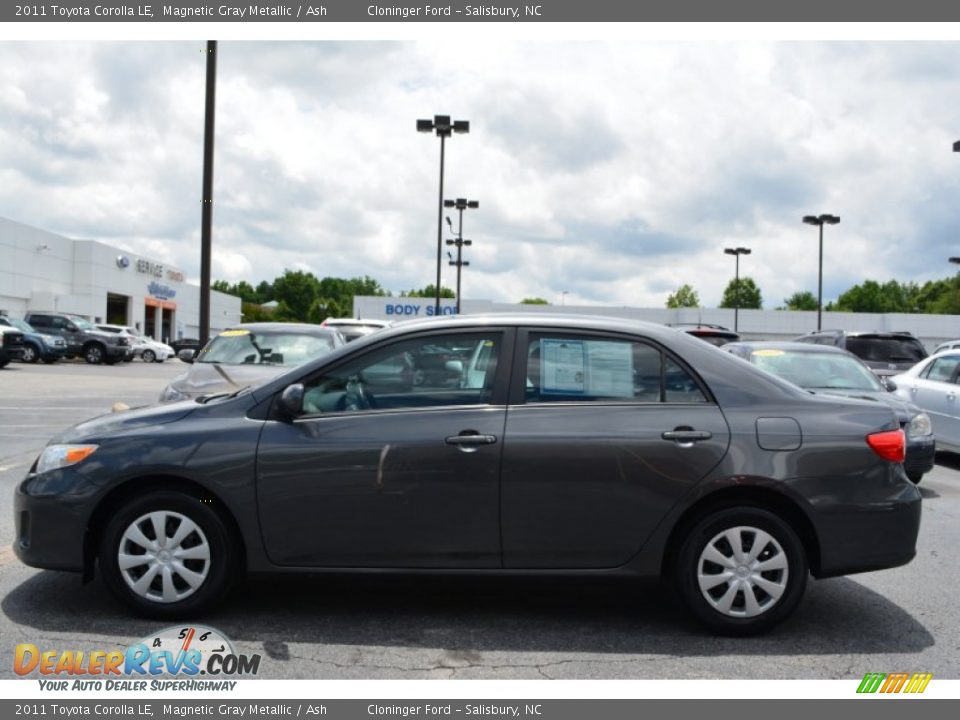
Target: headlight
54 457
170 393
919 425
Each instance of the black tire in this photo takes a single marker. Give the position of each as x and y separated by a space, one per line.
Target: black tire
221 567
915 477
4 361
31 353
736 621
94 353
149 356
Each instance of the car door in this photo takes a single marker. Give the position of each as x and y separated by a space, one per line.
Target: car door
378 471
935 390
604 435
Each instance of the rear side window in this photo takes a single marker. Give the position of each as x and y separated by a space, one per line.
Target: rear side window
886 349
943 369
590 369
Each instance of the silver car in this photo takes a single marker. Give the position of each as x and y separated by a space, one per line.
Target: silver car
248 355
932 384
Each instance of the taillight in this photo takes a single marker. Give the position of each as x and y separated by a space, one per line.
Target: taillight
890 445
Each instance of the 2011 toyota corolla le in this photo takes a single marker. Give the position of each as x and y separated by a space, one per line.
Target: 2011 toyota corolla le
549 444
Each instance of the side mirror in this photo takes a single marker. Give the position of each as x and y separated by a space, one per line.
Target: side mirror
889 384
71 327
454 367
186 356
291 400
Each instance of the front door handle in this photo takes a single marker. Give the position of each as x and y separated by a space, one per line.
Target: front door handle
686 438
469 440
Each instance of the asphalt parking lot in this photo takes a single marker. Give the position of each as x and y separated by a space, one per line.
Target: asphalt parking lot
906 619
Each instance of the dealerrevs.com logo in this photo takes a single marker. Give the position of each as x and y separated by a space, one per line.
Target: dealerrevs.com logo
887 683
176 658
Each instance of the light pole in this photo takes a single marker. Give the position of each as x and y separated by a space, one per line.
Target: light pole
736 252
460 204
443 127
820 220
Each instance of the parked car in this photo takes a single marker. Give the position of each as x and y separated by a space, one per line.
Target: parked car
886 353
575 454
36 346
932 385
832 371
185 344
948 345
145 348
249 354
353 328
713 334
82 337
11 345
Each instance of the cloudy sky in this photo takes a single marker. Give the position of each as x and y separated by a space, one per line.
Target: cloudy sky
614 172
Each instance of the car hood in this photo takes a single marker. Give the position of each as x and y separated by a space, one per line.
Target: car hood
904 410
114 422
204 378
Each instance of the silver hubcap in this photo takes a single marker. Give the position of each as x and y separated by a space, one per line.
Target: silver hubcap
164 556
742 572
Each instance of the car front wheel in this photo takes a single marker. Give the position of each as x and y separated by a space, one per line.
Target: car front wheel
30 353
741 570
149 356
167 555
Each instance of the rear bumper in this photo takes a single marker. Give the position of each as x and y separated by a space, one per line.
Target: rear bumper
920 455
864 524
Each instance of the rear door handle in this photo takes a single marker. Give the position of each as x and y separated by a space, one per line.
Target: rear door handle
686 437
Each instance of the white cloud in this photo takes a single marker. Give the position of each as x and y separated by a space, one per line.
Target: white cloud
612 171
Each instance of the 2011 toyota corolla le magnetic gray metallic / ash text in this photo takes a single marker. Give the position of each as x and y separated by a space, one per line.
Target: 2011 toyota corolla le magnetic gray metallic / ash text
548 444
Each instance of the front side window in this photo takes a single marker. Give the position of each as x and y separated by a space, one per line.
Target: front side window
430 371
587 369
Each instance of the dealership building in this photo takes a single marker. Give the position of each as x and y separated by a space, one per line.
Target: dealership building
42 271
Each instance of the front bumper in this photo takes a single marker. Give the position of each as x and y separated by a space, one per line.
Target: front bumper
49 530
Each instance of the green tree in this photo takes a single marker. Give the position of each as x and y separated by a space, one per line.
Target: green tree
430 291
872 297
750 297
296 290
684 297
800 300
534 301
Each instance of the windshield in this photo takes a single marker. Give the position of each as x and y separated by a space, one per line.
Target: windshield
21 325
813 370
884 349
243 347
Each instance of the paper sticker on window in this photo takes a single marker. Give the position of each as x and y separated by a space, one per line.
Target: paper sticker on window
578 367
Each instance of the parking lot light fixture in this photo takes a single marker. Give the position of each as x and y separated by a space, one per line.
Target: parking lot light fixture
736 252
442 125
460 204
820 221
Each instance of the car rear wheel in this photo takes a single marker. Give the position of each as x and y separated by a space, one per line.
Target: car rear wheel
94 354
31 353
167 555
149 356
741 570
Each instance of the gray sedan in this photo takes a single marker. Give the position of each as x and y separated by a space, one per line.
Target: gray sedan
579 445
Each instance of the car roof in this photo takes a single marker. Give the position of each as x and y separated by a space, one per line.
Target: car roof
307 328
355 321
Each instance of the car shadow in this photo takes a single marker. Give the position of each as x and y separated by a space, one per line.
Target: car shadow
948 459
477 614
